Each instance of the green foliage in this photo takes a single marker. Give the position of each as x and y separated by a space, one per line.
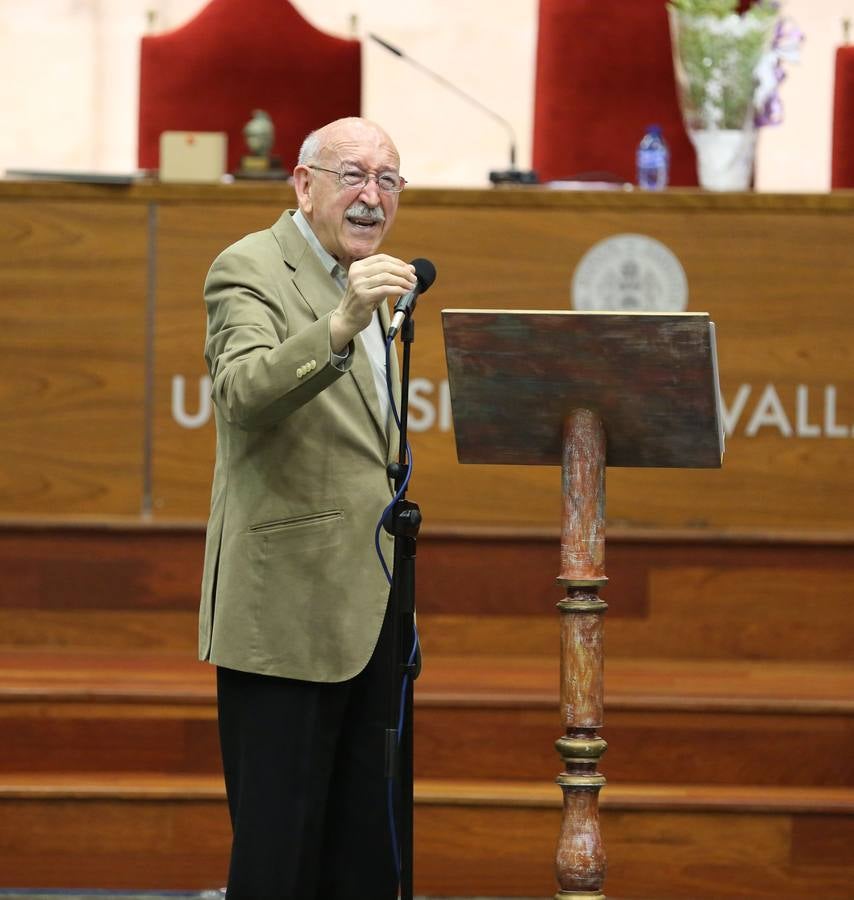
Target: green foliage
721 8
715 60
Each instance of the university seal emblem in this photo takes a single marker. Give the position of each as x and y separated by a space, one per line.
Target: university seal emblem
628 273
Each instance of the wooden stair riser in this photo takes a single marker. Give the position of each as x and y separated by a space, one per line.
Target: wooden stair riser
99 737
645 747
688 855
456 742
132 589
662 855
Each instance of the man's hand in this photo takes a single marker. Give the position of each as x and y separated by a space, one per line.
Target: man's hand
371 281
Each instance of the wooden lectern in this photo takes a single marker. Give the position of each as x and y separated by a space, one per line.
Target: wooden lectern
583 390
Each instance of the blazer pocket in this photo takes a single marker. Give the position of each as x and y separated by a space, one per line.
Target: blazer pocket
297 535
304 521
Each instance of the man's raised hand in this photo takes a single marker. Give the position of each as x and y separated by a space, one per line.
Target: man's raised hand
371 281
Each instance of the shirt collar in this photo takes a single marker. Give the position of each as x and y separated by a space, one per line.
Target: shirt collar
330 264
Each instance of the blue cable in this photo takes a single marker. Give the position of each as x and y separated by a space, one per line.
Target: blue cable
409 466
385 512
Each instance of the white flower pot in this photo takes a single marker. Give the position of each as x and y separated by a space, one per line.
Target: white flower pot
724 158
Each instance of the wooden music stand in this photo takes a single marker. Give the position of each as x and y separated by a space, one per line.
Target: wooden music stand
583 390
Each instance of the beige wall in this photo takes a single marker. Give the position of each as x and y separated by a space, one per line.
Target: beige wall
68 76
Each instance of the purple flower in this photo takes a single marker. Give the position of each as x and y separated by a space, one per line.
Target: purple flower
786 45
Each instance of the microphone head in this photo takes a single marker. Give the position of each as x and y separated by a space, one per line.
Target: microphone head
425 272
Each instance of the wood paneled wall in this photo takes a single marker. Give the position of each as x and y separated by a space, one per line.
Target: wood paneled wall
72 356
105 326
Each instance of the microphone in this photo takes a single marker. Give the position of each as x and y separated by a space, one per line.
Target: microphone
425 274
505 176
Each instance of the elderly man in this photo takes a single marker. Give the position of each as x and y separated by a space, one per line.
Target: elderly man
293 610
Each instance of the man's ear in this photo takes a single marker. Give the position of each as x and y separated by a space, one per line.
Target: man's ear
302 184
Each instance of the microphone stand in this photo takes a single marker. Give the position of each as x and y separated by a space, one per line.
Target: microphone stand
402 521
502 176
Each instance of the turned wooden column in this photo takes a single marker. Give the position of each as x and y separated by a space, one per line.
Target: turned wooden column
580 862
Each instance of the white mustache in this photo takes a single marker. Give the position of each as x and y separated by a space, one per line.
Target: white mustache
361 210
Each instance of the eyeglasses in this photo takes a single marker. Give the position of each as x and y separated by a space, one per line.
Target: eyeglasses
389 182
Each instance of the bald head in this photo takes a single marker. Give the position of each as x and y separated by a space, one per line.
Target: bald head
350 129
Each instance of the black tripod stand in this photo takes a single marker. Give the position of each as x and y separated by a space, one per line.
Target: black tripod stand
402 520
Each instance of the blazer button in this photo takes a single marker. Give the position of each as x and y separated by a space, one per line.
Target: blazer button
313 364
300 371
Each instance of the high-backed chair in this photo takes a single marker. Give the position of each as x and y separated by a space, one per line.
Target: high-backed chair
842 148
605 72
234 57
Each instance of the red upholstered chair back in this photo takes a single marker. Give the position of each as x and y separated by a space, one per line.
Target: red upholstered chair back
234 57
842 152
605 72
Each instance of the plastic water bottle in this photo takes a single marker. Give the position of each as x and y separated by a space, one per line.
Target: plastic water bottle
653 160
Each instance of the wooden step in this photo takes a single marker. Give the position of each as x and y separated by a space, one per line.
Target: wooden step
88 712
689 595
523 682
113 830
665 721
125 830
661 841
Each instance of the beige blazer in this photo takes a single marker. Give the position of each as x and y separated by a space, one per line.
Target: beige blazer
292 585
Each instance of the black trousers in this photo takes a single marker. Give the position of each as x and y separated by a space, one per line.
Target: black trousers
305 779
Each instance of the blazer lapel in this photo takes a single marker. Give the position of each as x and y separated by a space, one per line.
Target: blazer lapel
363 375
321 294
317 288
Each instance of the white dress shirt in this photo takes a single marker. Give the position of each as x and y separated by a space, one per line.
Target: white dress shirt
373 337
